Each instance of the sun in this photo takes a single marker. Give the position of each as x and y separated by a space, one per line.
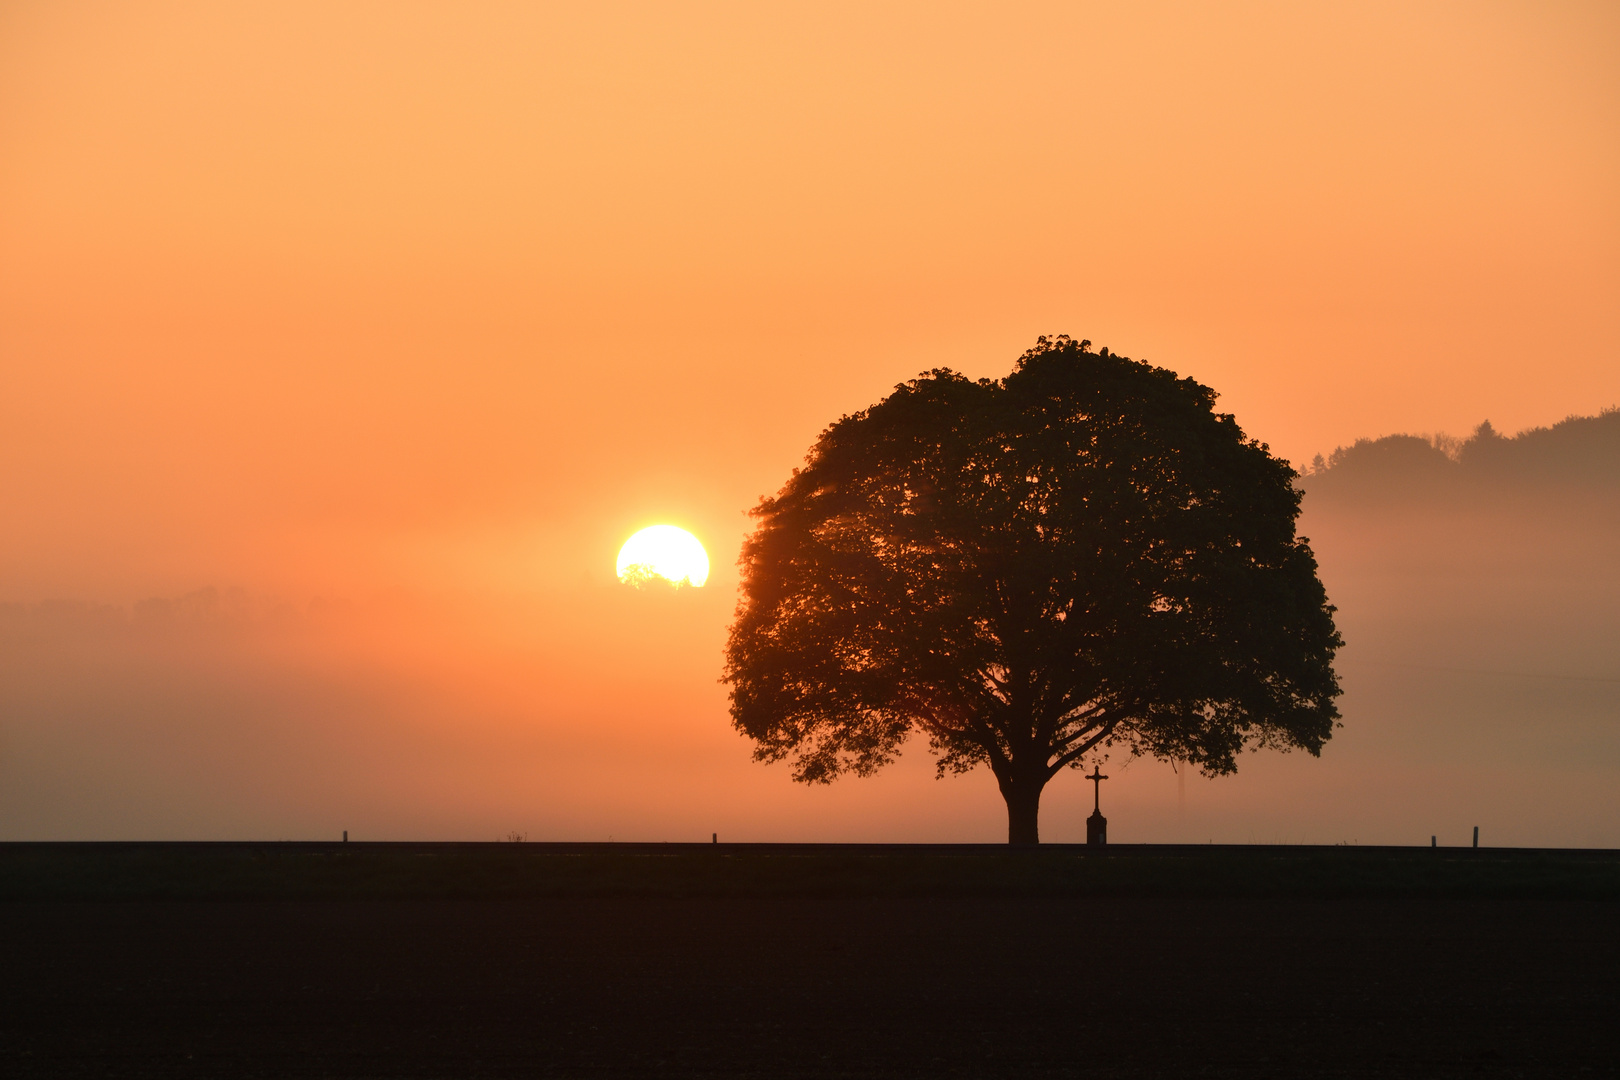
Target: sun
665 554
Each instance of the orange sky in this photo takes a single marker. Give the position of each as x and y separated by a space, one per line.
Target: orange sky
424 308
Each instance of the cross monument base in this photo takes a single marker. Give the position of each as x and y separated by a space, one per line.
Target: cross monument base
1096 828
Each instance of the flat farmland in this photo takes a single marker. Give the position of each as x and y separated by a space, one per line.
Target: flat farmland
438 960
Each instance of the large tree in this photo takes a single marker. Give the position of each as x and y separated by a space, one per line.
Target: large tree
1079 556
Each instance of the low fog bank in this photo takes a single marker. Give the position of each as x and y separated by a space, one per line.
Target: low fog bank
589 713
1501 554
1478 588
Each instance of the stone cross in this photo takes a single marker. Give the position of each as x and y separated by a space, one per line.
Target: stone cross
1096 779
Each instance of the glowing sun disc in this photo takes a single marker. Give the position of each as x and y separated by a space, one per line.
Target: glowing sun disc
663 552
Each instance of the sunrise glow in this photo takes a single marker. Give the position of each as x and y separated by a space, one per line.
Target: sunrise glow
663 553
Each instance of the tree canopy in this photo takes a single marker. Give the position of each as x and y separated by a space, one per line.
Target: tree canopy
1079 556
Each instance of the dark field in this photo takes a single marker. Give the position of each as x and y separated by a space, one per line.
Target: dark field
668 960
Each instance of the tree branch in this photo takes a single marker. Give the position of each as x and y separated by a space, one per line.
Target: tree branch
1075 752
1098 720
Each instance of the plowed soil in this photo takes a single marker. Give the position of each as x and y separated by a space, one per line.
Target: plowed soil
811 986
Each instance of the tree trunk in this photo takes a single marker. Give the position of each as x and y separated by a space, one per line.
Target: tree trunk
1023 811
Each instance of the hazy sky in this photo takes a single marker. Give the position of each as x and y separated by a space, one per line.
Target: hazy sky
420 310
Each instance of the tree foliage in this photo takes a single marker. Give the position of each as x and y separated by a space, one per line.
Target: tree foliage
1081 555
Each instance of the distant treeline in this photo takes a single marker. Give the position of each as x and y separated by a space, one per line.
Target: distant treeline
1581 451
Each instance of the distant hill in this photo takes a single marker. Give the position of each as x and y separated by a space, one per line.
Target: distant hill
1581 451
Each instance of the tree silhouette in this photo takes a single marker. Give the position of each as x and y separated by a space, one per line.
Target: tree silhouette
1081 555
